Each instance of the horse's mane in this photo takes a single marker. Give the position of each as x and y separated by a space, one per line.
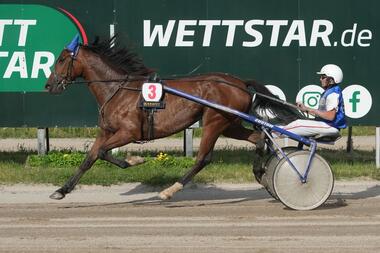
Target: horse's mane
121 58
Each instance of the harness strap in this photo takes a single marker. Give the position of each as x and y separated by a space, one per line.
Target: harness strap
151 124
101 109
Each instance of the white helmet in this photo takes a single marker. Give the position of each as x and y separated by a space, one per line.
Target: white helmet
332 70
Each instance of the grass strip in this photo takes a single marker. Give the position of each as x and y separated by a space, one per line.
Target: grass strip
231 165
91 132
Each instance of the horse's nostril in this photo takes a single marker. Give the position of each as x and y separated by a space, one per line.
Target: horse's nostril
47 86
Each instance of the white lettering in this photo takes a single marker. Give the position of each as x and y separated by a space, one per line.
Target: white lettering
323 35
38 65
182 32
3 23
276 24
24 25
254 33
17 64
296 32
264 123
209 25
4 54
158 31
351 32
283 33
231 30
364 35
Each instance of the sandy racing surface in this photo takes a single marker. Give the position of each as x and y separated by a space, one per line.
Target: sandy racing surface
221 218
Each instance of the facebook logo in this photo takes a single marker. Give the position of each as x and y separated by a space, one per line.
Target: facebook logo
354 100
357 101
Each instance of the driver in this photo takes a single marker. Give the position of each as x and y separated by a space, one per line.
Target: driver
329 117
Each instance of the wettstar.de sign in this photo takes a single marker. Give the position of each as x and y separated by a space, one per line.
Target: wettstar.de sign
31 37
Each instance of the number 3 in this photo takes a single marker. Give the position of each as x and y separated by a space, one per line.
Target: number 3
152 92
152 88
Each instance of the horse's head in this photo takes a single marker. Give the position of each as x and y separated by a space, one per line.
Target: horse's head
66 68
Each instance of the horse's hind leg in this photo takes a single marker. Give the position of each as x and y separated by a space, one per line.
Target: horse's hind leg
258 138
211 132
239 132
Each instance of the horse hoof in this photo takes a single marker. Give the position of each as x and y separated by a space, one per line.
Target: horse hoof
169 192
164 196
57 196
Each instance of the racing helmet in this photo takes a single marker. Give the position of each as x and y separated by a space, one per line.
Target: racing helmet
332 70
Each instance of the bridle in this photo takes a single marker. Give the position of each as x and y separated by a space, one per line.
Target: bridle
63 81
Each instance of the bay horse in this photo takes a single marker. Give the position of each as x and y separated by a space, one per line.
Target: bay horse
115 76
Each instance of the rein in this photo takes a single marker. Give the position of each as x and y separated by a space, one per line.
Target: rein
67 79
64 80
121 80
127 80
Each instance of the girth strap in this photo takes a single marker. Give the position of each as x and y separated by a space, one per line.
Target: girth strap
150 124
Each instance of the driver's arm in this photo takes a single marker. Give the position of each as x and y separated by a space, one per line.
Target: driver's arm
329 115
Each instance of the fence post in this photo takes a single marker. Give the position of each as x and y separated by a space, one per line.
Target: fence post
378 147
188 142
42 141
188 139
349 140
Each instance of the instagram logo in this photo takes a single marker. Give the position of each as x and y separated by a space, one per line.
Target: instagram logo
310 96
311 99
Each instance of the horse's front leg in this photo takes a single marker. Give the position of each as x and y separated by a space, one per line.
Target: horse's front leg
90 159
103 143
128 162
119 139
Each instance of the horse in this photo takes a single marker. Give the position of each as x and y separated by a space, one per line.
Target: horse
115 75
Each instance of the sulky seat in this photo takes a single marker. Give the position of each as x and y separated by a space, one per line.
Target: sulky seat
327 139
323 139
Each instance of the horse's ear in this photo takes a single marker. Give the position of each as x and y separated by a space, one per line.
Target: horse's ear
73 46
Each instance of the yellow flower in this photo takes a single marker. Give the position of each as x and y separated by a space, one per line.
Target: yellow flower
162 156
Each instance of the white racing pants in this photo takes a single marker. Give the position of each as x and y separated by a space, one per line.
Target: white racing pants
310 128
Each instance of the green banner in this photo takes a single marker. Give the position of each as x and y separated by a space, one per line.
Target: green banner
280 43
31 37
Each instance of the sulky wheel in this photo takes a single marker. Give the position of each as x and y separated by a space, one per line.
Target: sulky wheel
269 167
303 196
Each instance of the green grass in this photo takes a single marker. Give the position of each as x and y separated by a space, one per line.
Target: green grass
65 132
91 132
360 131
233 166
54 132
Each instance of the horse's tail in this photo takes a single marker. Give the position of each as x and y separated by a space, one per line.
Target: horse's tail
255 87
266 106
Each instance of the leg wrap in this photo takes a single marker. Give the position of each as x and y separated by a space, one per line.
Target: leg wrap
169 192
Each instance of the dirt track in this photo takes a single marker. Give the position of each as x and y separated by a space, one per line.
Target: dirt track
223 218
